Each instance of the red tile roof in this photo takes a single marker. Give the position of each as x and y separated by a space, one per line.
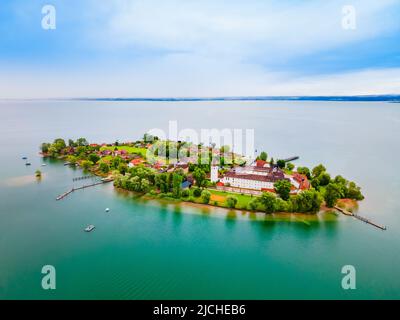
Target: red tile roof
302 180
260 163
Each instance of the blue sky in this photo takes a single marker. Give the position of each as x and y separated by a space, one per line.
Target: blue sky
164 48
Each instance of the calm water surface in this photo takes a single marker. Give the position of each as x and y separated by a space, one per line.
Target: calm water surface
163 251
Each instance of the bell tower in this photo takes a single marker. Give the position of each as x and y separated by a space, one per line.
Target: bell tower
214 173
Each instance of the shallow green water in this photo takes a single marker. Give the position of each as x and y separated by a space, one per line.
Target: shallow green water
148 250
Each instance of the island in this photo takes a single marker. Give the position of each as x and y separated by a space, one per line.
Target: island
187 172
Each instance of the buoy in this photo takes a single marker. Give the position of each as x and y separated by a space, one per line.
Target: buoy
107 209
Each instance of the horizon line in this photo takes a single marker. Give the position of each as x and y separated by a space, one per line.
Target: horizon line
360 98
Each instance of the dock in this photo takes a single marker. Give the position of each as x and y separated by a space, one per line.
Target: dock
65 194
363 219
62 196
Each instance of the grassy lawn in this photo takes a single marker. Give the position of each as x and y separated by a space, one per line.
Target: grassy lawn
106 159
220 197
131 150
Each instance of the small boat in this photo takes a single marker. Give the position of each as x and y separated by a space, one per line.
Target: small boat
67 163
43 164
89 228
107 209
24 158
28 164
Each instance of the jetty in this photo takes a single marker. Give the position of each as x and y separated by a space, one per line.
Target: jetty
363 219
65 194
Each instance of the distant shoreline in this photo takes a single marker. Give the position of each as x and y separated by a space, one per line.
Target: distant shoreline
360 98
393 98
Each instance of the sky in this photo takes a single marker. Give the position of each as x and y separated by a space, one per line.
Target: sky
199 48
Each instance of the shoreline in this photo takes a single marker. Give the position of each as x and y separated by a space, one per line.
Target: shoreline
326 215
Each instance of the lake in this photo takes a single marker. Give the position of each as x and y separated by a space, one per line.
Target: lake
151 250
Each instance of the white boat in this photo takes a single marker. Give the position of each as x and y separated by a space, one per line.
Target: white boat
43 164
107 209
89 228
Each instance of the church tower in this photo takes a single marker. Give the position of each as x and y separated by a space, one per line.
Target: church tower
214 173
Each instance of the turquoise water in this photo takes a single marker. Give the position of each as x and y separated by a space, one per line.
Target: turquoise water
147 250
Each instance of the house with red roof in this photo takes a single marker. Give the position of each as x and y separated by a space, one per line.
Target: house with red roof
135 162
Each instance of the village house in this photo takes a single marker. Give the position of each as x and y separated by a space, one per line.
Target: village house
135 162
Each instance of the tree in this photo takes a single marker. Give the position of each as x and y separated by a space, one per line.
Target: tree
332 194
268 200
93 157
197 192
59 144
318 170
81 150
199 175
185 193
144 185
282 205
253 204
231 201
307 201
281 164
354 192
86 164
122 168
52 151
161 182
324 178
104 167
340 180
115 162
71 143
282 187
45 147
263 156
177 185
206 196
82 142
305 171
290 166
72 159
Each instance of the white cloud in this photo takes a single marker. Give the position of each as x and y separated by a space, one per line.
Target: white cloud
242 29
209 48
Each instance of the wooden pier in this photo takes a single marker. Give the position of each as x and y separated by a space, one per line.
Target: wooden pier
65 194
347 213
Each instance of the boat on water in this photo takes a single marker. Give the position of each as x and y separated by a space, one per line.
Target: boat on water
67 163
43 164
107 209
89 228
28 164
24 158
